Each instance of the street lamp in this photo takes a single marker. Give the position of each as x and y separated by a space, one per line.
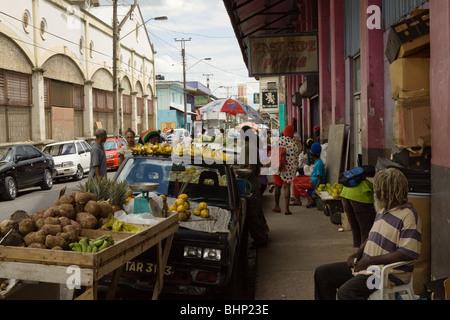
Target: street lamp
161 18
202 59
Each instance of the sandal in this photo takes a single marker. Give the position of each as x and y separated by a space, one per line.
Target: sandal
274 209
287 212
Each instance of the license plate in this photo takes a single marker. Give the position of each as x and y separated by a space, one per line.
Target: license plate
146 267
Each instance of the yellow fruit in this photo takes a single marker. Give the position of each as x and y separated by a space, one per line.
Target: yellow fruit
163 197
183 196
202 205
186 205
197 212
172 208
182 216
179 202
181 208
205 213
129 193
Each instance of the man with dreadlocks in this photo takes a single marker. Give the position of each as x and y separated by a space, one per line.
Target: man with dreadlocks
394 237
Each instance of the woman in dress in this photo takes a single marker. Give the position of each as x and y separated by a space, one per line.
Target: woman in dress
284 177
126 151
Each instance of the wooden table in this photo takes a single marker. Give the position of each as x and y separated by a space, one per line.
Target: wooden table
86 269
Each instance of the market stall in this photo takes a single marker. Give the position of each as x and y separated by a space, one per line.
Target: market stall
52 266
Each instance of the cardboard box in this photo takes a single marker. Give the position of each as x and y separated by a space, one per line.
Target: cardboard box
416 46
412 123
409 74
409 37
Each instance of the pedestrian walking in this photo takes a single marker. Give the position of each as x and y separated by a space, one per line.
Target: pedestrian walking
284 176
98 157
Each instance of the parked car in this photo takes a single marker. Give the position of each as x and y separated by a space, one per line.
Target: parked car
200 262
112 145
72 158
23 166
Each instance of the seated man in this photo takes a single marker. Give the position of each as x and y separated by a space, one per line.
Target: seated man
301 185
394 237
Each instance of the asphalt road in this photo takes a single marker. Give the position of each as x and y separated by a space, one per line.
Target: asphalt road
33 199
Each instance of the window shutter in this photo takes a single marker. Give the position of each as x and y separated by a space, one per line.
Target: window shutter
2 88
78 97
140 106
18 89
126 104
47 102
150 107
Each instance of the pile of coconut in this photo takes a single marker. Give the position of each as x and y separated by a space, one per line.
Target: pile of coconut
58 226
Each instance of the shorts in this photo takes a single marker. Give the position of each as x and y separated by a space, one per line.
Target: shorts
278 181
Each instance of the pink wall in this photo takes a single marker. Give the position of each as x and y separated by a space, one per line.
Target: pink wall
372 81
440 81
324 72
337 62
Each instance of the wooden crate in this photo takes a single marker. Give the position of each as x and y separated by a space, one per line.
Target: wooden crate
53 265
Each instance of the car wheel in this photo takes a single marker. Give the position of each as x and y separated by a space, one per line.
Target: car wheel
79 174
47 184
10 192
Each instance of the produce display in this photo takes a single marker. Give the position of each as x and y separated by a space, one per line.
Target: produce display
182 206
96 245
181 149
333 190
59 226
149 148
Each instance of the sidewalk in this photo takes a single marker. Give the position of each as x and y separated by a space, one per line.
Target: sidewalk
297 245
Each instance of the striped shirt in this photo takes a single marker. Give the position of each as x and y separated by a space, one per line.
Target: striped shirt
399 229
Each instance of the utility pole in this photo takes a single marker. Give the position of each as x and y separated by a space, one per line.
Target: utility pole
207 78
117 119
183 56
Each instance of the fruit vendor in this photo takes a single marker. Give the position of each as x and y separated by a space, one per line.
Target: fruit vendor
357 203
301 185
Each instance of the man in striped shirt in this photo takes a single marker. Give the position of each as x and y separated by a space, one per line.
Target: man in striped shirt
394 237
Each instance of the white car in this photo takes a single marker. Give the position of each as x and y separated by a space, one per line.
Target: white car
72 158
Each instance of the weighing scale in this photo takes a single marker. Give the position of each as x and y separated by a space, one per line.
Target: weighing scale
145 204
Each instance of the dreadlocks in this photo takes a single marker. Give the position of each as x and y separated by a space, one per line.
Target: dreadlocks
392 187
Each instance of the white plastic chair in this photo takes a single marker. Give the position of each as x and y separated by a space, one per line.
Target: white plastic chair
387 293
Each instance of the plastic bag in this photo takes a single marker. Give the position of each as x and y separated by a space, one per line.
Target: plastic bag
118 225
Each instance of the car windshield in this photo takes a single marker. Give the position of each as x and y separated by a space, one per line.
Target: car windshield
201 182
6 154
60 149
110 145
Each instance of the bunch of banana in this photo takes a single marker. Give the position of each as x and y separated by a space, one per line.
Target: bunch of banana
156 148
86 245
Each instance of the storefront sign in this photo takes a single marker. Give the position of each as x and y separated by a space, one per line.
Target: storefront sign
283 55
269 99
166 126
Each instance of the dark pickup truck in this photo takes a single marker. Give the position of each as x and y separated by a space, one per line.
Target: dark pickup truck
201 262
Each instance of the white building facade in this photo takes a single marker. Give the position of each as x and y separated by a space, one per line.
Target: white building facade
56 76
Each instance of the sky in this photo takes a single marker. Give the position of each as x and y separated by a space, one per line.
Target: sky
207 24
